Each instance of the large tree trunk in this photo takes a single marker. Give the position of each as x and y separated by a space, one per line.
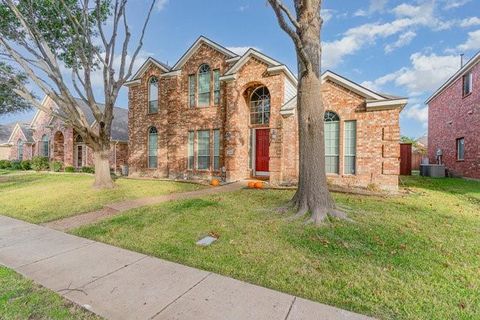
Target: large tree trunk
103 179
312 194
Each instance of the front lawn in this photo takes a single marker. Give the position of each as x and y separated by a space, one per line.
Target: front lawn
22 299
43 197
415 256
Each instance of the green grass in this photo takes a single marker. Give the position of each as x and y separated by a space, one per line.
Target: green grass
22 299
43 197
415 256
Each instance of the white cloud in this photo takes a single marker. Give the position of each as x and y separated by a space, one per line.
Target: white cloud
403 40
375 6
241 50
470 22
243 8
418 113
160 5
472 43
408 17
426 74
453 4
327 14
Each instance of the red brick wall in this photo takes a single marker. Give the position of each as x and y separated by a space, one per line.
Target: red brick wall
452 116
378 132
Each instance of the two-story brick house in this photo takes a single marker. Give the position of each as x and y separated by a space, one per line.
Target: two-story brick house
215 113
454 121
48 136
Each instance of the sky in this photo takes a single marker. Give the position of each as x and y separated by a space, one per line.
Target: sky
403 48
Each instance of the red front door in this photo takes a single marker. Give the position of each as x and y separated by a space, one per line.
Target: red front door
262 146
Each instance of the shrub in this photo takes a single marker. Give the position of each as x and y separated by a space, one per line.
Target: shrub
56 166
16 165
69 169
40 163
26 164
88 170
5 164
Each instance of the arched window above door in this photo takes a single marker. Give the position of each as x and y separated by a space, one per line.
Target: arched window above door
260 106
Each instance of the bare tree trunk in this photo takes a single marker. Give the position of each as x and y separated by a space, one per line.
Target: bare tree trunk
103 178
312 194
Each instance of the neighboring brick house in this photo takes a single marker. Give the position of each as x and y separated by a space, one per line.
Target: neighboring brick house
49 137
454 121
5 132
215 113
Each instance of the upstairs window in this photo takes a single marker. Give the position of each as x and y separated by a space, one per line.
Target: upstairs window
153 95
467 84
260 106
45 146
152 148
216 87
191 90
461 149
204 77
332 141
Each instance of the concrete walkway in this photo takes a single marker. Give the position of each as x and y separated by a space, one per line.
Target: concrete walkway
119 207
121 284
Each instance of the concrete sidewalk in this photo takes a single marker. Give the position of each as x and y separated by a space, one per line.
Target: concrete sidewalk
121 284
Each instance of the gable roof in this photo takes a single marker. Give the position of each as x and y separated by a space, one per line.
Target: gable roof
5 132
25 130
467 67
119 130
202 40
162 66
374 100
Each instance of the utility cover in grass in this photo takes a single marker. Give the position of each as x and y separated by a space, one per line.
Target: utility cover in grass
208 240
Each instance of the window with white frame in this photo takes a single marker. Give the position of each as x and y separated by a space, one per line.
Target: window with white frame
461 149
153 95
45 146
332 142
467 83
191 90
216 150
204 77
190 150
152 148
216 87
260 106
350 147
203 149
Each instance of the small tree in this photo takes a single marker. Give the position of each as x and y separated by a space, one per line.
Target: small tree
46 37
304 29
10 102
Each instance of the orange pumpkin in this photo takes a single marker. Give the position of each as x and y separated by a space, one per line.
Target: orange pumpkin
251 184
259 185
215 182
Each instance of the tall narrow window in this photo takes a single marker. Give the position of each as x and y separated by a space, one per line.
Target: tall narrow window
191 90
350 147
20 149
153 95
204 77
332 134
191 136
461 149
152 148
216 150
45 146
260 106
203 150
216 87
467 83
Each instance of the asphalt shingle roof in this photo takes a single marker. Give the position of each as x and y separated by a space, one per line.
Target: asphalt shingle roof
6 131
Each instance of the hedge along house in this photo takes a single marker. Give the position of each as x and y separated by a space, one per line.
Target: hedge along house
50 137
215 113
